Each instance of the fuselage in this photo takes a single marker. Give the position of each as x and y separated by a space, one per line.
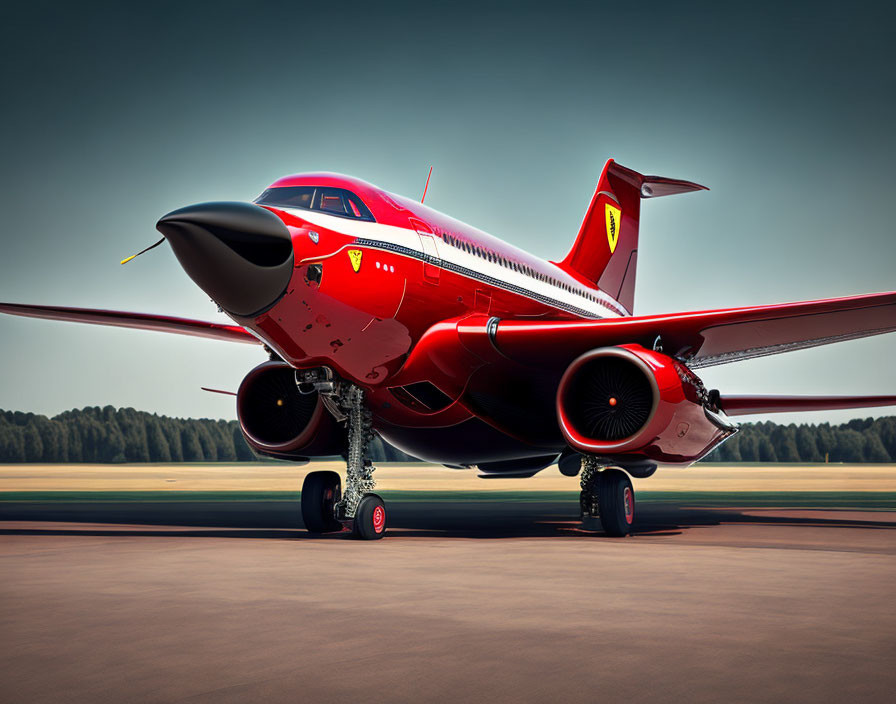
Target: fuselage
368 285
416 266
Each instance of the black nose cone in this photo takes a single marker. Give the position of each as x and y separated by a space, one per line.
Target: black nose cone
238 253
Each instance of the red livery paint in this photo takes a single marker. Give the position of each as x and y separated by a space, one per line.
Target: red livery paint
676 428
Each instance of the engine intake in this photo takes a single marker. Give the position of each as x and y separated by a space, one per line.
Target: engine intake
279 421
612 397
628 401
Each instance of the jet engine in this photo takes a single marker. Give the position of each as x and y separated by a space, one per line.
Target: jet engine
629 404
279 421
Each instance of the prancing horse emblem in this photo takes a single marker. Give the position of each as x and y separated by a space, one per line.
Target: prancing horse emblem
614 217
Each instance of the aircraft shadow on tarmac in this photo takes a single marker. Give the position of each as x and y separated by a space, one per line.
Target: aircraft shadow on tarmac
480 519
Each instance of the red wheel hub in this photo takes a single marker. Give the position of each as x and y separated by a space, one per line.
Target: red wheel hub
379 519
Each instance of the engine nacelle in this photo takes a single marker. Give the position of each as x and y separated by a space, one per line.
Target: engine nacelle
279 421
628 403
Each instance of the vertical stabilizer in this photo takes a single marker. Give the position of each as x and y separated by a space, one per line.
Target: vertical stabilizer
605 252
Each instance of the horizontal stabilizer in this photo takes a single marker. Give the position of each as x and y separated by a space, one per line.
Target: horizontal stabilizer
746 405
138 321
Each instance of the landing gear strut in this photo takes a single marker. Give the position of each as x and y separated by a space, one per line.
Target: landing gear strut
607 494
366 510
324 507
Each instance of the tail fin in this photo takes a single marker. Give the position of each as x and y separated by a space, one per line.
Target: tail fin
605 252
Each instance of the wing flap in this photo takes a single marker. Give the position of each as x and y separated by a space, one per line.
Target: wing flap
138 321
707 338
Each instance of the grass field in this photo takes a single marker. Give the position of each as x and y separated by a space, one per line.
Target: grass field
863 487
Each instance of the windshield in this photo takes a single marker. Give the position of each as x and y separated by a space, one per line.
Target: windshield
334 201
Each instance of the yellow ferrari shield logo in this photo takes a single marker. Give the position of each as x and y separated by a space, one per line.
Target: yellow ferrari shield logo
614 217
355 256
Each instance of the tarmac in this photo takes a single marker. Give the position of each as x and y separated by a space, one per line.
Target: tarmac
490 600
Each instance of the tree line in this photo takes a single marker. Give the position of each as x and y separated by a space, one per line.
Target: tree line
868 440
110 435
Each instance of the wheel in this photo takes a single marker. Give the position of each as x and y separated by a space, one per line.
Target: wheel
616 499
320 492
370 518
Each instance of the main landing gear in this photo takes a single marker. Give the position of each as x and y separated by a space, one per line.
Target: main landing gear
326 509
607 494
321 492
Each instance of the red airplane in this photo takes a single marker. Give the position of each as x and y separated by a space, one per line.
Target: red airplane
382 315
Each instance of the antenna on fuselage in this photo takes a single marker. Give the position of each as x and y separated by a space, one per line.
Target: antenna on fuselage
142 251
226 393
427 185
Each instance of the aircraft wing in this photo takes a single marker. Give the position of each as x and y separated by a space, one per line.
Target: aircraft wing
704 338
738 405
139 321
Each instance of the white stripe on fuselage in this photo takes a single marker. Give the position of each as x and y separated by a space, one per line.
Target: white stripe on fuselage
409 239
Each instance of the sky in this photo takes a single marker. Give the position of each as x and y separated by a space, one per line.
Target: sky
114 114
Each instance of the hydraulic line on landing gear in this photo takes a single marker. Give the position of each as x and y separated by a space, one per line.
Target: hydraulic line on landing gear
588 500
359 471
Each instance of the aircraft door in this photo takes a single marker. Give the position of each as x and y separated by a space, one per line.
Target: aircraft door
432 264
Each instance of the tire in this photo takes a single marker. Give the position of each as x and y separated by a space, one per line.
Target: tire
370 518
616 498
320 492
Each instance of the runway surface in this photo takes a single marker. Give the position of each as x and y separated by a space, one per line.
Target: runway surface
492 600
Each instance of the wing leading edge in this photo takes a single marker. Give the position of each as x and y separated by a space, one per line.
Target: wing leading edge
706 338
138 321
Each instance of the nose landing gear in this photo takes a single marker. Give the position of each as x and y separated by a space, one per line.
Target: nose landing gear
370 518
358 507
608 495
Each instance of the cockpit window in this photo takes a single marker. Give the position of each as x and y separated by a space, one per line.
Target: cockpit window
331 201
292 197
334 201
